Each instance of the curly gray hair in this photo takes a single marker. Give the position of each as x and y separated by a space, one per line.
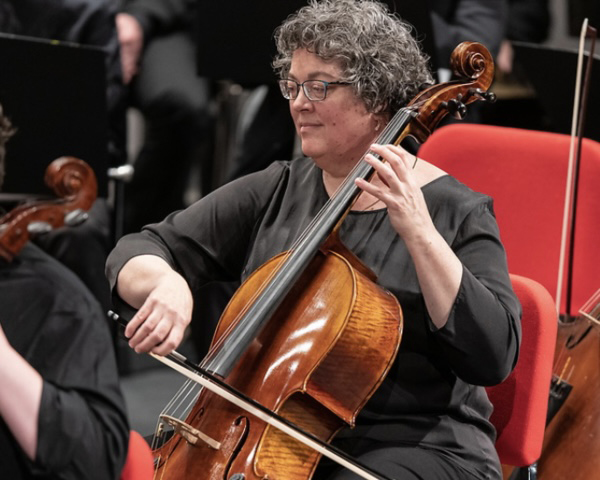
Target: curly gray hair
374 48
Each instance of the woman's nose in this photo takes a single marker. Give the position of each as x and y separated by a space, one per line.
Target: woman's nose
301 100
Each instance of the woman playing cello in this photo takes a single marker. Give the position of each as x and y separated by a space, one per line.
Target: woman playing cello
346 67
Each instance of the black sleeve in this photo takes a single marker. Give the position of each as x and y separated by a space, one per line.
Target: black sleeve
482 336
83 429
55 323
209 240
529 20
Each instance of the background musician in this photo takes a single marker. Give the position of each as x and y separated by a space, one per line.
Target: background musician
346 67
61 410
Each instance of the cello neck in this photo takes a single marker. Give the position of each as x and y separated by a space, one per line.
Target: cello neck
220 361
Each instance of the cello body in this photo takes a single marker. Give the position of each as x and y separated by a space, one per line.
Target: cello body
315 364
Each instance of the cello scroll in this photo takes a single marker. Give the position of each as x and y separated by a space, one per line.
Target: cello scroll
71 179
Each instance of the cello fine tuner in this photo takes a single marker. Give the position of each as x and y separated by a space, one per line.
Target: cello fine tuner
188 432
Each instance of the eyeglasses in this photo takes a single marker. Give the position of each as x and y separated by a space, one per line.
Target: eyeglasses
314 90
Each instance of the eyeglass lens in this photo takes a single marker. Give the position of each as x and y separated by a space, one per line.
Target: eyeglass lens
313 89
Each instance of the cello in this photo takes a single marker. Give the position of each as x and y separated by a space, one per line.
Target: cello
281 339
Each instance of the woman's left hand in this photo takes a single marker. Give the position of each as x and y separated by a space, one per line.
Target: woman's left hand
396 185
438 268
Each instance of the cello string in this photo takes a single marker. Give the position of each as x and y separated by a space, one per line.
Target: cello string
182 403
177 404
158 430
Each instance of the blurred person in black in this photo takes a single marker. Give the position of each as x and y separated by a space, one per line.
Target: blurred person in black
528 21
518 104
158 53
62 415
456 21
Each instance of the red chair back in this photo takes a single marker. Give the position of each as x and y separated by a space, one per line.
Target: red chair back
525 172
521 401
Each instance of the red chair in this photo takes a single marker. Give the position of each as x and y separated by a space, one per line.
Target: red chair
521 401
139 464
525 172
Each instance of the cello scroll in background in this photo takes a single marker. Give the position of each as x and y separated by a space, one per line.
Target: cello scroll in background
74 182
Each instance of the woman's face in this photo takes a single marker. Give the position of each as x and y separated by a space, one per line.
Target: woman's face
337 131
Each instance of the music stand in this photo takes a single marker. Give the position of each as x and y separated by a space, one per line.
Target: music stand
551 72
55 95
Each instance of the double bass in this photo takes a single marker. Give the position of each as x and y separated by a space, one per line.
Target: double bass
292 345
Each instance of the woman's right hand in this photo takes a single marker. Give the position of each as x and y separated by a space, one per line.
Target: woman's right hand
165 304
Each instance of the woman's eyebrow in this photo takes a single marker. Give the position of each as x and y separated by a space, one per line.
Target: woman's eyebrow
318 75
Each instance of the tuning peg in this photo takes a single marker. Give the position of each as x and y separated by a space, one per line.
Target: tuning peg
76 217
456 108
37 228
485 96
489 97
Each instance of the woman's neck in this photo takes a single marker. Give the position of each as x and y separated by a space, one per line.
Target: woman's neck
364 201
424 173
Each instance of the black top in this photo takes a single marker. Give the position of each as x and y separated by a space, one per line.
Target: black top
51 319
429 397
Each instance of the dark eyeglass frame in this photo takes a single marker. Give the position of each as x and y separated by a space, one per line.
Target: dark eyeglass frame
283 84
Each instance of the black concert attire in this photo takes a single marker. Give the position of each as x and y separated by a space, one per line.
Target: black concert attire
55 323
528 20
456 21
175 103
431 402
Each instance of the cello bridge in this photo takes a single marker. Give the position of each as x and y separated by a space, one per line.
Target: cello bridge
188 432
